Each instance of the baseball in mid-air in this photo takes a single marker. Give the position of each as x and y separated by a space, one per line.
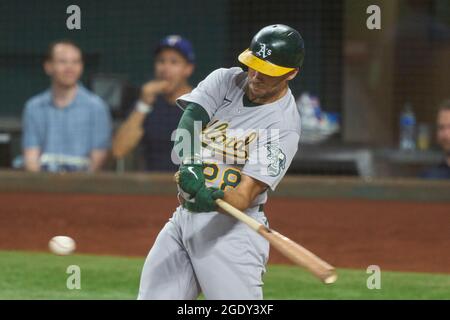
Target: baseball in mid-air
62 245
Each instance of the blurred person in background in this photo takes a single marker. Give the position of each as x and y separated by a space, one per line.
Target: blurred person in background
442 171
66 127
155 115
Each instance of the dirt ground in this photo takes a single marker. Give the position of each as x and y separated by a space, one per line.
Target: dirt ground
395 235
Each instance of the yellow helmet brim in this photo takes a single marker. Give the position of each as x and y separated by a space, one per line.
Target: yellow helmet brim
263 66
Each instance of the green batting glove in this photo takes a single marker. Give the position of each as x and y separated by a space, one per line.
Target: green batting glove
205 200
191 179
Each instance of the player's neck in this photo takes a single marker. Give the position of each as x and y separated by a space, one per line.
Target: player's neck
266 100
63 95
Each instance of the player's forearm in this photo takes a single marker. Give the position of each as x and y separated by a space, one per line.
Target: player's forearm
238 200
128 135
245 193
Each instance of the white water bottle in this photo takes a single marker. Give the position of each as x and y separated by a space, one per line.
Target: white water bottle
407 128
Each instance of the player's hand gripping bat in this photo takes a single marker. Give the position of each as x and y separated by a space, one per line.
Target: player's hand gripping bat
290 249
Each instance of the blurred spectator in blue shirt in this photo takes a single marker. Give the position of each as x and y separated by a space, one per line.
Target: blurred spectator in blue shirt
65 128
442 171
155 115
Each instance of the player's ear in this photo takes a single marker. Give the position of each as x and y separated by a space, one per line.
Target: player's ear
292 74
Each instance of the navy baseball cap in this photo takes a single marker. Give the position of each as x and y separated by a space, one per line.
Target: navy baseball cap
178 43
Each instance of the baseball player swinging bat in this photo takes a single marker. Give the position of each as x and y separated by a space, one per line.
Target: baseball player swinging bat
235 141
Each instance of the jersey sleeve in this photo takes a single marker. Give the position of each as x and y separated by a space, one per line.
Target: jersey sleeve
209 93
271 157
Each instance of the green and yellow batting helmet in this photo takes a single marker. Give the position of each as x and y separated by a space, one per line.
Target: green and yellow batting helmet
275 50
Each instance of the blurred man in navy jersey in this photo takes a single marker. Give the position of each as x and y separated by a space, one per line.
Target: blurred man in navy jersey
155 115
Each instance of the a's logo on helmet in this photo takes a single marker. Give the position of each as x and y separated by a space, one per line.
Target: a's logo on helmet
264 51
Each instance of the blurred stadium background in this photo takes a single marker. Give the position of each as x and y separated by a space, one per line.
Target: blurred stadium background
352 195
364 76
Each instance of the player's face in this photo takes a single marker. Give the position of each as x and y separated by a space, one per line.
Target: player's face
443 130
170 65
66 66
262 87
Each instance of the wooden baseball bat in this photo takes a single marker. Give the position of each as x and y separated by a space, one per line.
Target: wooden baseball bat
290 249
